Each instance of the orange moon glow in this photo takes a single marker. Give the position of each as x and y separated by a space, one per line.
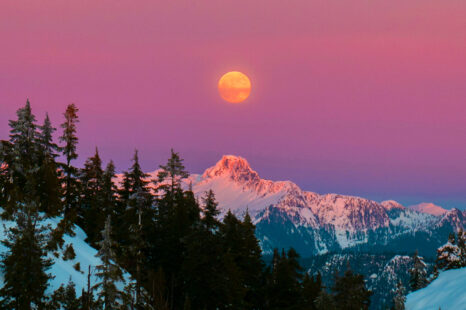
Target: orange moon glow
234 87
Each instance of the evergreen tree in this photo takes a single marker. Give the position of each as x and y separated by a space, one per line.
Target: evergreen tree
210 211
109 272
70 141
138 217
109 190
462 247
90 214
65 298
418 273
325 301
312 287
49 187
285 283
449 255
350 292
400 297
21 162
171 174
25 264
49 148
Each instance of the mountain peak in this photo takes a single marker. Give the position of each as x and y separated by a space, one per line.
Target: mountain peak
430 208
392 204
233 166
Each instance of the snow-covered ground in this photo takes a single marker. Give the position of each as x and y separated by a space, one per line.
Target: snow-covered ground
64 270
447 292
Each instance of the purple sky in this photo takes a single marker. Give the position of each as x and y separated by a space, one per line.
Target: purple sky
355 97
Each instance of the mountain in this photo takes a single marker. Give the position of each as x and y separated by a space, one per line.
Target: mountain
445 292
287 216
429 208
381 272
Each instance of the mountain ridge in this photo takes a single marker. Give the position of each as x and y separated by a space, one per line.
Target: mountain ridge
285 215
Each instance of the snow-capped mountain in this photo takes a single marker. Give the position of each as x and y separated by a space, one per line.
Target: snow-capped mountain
285 215
430 208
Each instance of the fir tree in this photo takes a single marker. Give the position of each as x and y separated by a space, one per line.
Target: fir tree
210 211
325 301
25 264
91 216
70 141
400 297
312 287
49 187
109 191
285 283
462 247
109 272
350 292
418 273
171 174
49 148
65 298
449 255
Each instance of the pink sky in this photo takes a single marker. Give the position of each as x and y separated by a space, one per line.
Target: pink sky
356 97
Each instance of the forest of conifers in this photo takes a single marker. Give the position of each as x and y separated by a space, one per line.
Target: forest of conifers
160 246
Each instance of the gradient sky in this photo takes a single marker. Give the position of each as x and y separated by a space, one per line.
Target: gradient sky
357 97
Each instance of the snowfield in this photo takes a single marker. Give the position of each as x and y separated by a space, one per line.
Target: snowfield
447 292
62 270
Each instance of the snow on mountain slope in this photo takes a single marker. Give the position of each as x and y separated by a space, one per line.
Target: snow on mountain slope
64 270
446 292
430 208
285 215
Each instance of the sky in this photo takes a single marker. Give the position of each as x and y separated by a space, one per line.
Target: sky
357 97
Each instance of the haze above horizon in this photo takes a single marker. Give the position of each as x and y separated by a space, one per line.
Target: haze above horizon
358 98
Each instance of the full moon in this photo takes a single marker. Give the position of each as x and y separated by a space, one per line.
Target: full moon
234 87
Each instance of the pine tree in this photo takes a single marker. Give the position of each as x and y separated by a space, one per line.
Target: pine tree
90 214
65 298
138 216
49 187
249 260
49 148
400 297
350 292
418 273
21 161
210 211
25 264
70 141
312 287
171 174
462 247
325 301
449 255
285 282
109 272
109 190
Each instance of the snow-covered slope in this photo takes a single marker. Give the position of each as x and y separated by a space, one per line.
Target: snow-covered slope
64 270
446 292
430 208
285 215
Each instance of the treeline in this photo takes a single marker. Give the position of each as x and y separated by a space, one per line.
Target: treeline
176 251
